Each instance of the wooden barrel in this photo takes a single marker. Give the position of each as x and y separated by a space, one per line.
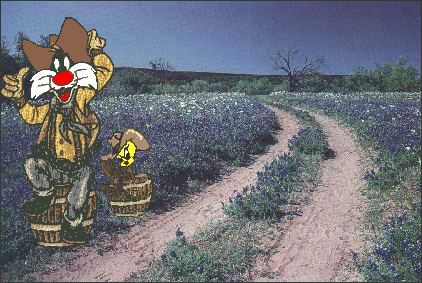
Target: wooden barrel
47 226
133 199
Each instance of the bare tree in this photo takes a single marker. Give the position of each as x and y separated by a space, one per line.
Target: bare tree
19 55
295 72
4 46
44 40
20 36
161 64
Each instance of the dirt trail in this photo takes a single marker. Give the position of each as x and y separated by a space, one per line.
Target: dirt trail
134 251
318 245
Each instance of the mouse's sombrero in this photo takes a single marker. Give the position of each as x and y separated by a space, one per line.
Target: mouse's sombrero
73 39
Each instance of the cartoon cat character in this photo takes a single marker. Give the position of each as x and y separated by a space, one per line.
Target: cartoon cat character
74 68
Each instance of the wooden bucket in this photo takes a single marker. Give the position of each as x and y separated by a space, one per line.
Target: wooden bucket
47 226
134 198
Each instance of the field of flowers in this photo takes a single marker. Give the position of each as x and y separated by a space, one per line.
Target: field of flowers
189 135
390 123
192 138
393 120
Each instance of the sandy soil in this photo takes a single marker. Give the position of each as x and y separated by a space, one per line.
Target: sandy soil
319 245
134 251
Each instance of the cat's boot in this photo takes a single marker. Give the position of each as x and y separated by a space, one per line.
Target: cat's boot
72 231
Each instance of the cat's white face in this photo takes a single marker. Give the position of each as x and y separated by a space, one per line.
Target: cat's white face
63 78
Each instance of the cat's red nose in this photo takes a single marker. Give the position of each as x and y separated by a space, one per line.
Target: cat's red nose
63 78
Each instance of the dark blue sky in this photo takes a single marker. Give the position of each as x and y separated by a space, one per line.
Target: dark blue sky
234 37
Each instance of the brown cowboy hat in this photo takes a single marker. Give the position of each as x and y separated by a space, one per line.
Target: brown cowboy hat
73 39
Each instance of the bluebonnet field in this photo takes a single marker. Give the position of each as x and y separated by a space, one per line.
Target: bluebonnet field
393 120
391 124
190 136
383 264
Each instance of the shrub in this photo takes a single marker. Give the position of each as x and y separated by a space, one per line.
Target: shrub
282 87
218 87
241 86
199 86
135 82
260 86
309 141
266 199
195 86
400 76
314 83
164 88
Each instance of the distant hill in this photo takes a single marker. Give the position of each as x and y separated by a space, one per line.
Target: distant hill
182 76
189 76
